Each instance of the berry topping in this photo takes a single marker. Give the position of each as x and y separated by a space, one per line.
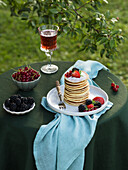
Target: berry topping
75 69
68 74
91 104
76 74
88 101
81 108
99 99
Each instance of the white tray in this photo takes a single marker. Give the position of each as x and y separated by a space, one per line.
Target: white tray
53 100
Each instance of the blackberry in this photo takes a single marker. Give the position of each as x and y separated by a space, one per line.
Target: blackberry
28 106
23 107
18 109
13 106
88 101
97 104
31 100
75 69
24 100
81 108
7 103
18 101
19 96
13 98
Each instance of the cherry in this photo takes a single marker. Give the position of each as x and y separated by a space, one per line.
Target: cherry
114 86
115 89
26 74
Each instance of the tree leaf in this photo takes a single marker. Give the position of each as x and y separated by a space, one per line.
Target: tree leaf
115 32
103 40
53 10
112 43
102 52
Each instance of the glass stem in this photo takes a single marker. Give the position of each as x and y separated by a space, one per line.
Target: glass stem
49 54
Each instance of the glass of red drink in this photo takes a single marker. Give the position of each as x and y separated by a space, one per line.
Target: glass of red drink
48 36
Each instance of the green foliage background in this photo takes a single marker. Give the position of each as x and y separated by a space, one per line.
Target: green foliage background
21 45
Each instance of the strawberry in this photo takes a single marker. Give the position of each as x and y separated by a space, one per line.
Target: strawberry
100 99
76 74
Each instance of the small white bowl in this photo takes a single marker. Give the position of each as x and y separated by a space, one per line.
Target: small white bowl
26 86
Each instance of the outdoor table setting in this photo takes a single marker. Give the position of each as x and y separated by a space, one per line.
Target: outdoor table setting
46 139
62 115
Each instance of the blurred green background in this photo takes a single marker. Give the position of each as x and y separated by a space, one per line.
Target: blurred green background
20 45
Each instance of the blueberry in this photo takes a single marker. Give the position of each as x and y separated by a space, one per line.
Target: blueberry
88 101
81 108
75 69
24 100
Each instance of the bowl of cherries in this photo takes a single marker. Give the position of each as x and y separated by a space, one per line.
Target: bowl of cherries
26 78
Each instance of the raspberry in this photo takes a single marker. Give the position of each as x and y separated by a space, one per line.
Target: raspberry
90 106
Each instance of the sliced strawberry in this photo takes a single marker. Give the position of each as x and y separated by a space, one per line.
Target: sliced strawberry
99 99
76 74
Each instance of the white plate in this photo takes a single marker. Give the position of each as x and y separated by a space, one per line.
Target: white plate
19 113
53 100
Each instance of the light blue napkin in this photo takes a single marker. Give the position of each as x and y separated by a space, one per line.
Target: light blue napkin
60 145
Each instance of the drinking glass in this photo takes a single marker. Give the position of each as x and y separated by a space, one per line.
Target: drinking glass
48 36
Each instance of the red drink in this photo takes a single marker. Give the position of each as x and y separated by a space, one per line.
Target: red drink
48 39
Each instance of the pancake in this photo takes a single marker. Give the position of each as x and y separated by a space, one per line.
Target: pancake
76 90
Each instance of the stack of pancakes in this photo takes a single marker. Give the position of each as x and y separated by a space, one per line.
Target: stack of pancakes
76 90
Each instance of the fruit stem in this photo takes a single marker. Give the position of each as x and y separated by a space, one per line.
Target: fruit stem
111 79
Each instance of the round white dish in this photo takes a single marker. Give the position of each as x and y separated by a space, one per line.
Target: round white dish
53 100
18 113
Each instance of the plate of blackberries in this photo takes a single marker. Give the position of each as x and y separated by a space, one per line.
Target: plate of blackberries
17 104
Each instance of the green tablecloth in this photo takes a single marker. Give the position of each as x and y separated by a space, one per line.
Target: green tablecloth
108 148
